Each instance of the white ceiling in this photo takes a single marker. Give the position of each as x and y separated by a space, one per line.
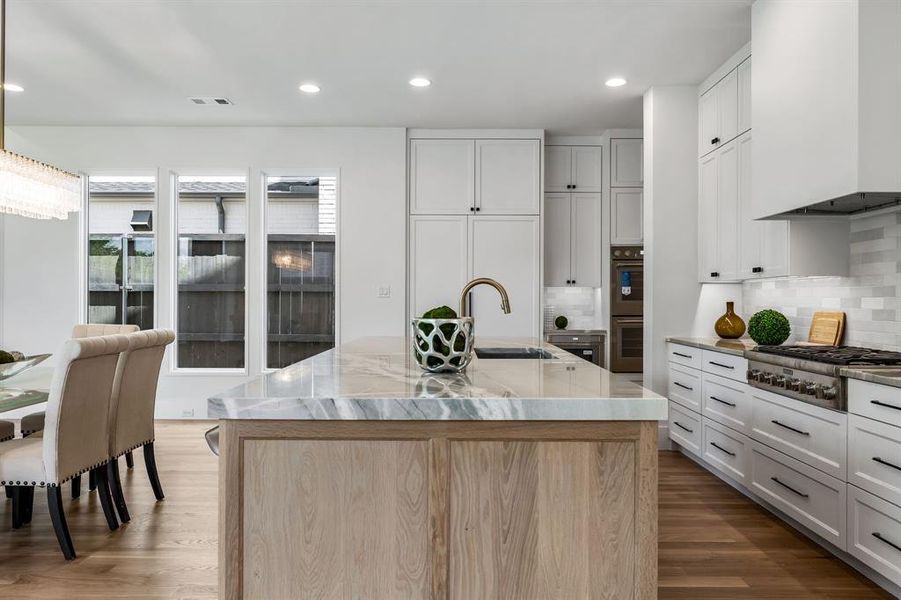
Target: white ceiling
494 63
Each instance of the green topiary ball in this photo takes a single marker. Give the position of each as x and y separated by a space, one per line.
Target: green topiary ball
561 322
769 328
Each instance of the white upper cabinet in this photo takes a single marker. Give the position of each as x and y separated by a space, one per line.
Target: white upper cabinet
508 174
587 168
626 216
439 266
727 103
764 244
506 249
626 163
442 176
557 242
744 95
708 122
825 98
708 238
586 240
572 168
558 168
727 214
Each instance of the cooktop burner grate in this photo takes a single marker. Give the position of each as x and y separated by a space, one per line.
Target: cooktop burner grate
835 355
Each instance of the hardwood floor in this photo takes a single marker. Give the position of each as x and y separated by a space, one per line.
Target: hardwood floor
714 543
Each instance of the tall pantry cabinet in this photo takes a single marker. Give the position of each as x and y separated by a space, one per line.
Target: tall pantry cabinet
474 208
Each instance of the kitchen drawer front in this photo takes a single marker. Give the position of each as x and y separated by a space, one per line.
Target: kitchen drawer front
685 428
874 457
727 365
811 497
685 387
726 401
726 450
879 402
874 533
684 355
814 435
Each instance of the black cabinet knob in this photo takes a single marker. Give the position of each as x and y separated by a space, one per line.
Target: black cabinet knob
574 281
714 274
478 208
715 140
757 270
472 209
574 186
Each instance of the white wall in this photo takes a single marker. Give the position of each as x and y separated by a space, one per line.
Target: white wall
40 293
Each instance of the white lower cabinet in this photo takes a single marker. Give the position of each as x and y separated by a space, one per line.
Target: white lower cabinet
874 457
685 428
685 386
815 435
727 402
727 451
874 533
813 498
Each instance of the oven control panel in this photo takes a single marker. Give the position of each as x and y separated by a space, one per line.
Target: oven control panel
813 388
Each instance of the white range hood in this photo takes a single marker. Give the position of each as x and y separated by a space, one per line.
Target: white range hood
826 106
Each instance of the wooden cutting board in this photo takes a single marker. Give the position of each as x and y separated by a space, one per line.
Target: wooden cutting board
827 328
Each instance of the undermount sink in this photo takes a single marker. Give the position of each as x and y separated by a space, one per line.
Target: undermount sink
513 353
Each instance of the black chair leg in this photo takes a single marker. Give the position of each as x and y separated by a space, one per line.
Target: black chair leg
27 503
92 481
58 517
106 502
76 487
9 491
17 506
150 463
129 460
115 484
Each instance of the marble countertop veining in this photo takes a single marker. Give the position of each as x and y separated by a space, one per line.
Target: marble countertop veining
883 375
736 347
376 378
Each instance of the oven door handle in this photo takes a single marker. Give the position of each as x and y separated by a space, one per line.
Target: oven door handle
628 264
628 321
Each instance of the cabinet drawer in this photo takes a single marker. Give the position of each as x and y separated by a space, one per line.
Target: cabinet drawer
685 428
685 387
727 365
817 436
590 338
874 457
684 355
874 533
813 498
879 402
726 401
726 450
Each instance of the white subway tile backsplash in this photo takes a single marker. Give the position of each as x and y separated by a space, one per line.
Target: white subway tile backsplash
580 305
871 296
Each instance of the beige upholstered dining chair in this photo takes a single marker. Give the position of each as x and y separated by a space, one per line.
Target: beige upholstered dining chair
132 408
34 422
7 430
76 436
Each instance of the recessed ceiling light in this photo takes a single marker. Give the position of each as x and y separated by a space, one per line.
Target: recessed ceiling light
309 88
615 82
420 82
13 87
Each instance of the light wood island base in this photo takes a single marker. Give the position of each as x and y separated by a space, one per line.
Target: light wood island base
438 509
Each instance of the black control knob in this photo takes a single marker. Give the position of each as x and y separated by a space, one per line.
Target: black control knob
779 381
830 393
794 385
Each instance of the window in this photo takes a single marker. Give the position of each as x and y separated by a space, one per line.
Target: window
301 220
211 271
121 250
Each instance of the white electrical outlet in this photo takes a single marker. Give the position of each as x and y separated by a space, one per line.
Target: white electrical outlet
187 412
384 291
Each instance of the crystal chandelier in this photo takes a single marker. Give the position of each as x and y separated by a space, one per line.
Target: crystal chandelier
30 188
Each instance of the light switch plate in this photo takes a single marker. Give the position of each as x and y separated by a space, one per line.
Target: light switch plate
384 291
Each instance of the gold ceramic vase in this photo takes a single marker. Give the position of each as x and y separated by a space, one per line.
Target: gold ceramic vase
730 326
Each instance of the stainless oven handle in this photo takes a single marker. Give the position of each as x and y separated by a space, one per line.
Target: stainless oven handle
618 320
628 264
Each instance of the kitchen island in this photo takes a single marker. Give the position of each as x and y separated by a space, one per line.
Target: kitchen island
356 474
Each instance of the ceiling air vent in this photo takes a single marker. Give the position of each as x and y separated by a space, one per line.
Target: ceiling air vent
211 100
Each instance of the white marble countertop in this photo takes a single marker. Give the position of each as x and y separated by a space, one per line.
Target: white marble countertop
736 347
377 379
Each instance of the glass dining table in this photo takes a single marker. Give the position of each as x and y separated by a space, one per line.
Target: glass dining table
24 387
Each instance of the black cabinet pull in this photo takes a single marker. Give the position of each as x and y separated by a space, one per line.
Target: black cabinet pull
478 208
721 449
882 539
678 424
683 355
757 270
886 463
732 404
790 488
885 404
574 281
716 364
715 140
789 427
574 186
683 386
714 274
472 209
